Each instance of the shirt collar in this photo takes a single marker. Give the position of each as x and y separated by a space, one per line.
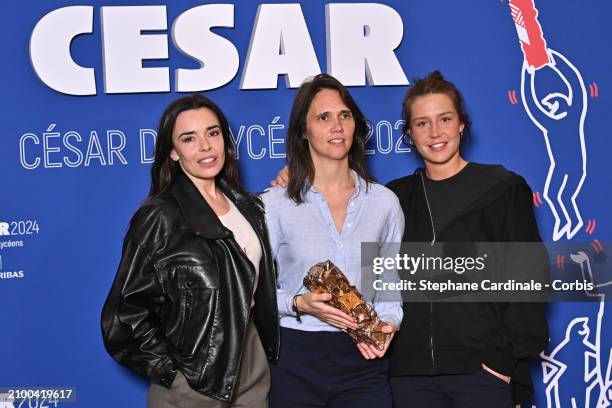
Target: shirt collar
359 185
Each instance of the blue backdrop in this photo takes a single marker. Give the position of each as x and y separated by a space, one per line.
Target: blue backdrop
76 167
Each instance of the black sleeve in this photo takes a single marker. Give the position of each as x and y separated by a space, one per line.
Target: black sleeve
131 317
523 329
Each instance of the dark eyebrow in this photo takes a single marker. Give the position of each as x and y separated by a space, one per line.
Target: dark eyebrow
328 112
192 132
441 114
189 133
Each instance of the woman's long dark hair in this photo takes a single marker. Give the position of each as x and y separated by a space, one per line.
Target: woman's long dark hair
301 167
165 170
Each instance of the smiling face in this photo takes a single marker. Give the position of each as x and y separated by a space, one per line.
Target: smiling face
435 129
198 144
330 127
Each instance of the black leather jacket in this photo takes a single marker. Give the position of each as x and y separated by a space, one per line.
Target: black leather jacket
182 294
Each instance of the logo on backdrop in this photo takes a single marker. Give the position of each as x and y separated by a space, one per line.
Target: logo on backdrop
555 99
9 274
13 233
361 43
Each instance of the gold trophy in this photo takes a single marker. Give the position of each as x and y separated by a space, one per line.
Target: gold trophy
327 277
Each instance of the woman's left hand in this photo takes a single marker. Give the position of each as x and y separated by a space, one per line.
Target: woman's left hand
370 352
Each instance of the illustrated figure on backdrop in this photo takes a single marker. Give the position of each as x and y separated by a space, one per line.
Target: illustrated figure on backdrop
461 354
584 352
560 116
554 97
330 206
193 304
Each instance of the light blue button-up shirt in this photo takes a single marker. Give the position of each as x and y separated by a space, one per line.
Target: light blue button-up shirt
303 235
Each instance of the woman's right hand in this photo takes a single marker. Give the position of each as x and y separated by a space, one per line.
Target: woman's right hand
282 178
315 304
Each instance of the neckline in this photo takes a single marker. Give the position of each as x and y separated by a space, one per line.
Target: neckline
358 186
450 179
230 210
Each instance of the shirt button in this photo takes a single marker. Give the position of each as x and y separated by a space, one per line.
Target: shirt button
228 387
226 396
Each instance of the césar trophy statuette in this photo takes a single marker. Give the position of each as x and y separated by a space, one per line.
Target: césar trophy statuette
327 277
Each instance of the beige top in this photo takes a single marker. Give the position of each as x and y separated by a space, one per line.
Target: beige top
245 236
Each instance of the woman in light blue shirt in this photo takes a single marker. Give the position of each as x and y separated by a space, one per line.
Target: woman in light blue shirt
330 206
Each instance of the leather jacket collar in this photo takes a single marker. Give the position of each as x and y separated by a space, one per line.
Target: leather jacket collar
198 214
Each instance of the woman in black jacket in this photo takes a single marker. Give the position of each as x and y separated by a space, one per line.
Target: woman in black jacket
461 354
194 298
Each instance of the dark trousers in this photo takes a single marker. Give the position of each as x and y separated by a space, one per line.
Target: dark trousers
325 369
478 389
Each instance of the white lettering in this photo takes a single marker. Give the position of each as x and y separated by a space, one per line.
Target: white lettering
48 150
273 141
94 150
217 56
361 43
147 134
22 151
280 45
361 39
249 135
73 149
237 139
125 47
50 50
115 150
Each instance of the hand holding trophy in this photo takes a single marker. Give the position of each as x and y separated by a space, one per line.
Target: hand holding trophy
325 277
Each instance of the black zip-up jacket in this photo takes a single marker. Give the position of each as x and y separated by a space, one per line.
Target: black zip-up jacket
451 338
181 299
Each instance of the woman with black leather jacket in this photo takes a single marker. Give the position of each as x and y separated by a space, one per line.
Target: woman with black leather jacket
193 304
461 354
